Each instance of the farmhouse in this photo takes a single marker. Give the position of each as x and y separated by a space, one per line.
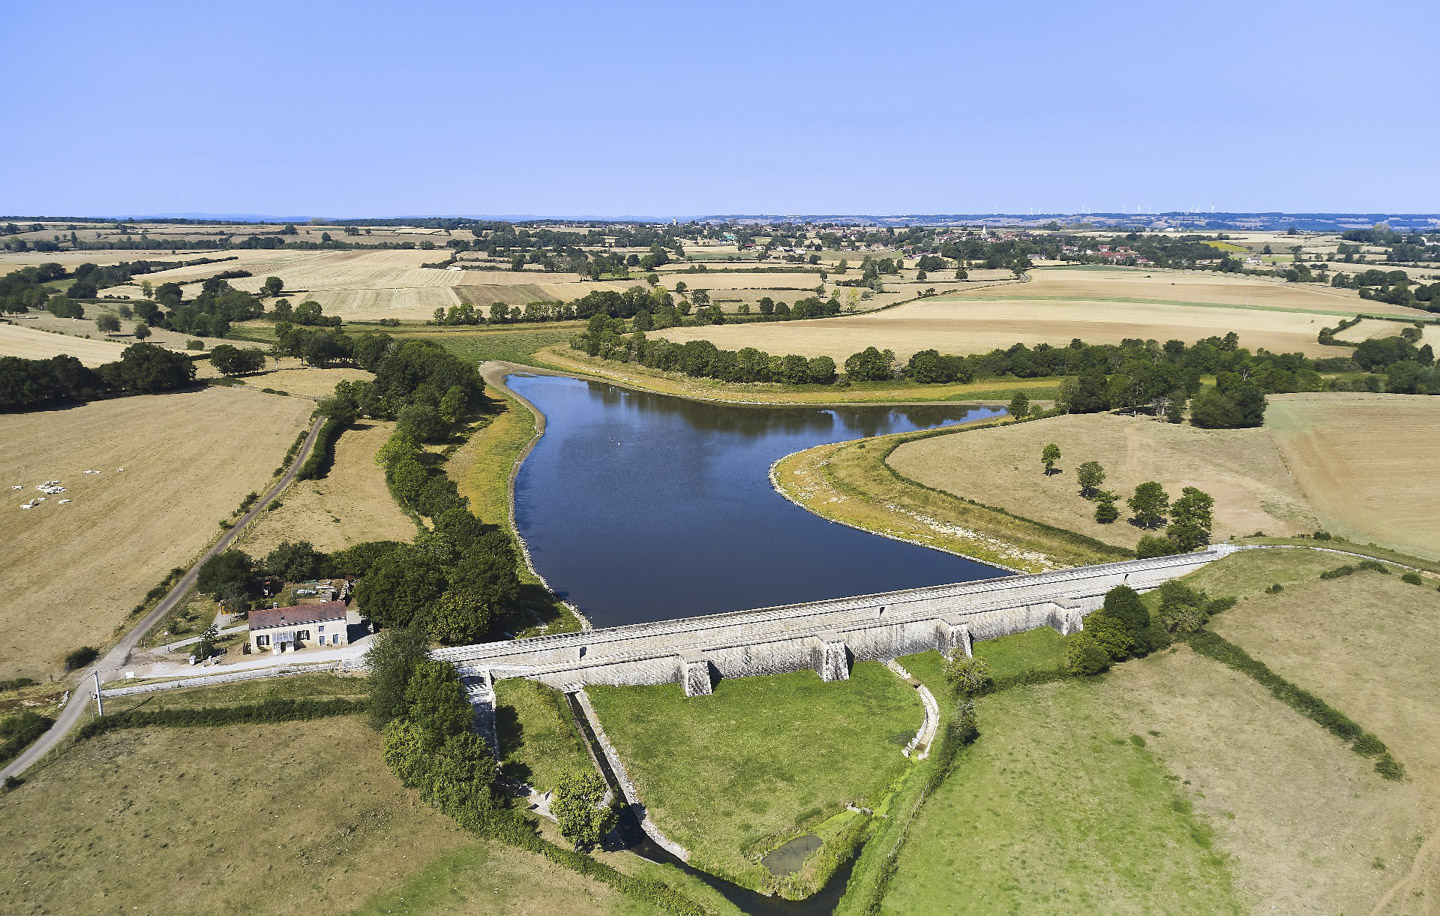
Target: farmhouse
290 628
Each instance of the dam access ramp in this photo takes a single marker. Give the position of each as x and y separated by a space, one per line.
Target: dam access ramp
826 636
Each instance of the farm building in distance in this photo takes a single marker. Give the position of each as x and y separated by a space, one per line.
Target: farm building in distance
290 628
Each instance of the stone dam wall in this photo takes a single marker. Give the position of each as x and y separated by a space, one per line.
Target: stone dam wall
824 636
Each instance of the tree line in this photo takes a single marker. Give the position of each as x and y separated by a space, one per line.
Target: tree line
29 384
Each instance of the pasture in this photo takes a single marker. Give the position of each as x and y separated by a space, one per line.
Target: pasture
294 818
347 506
1363 462
1096 305
73 572
1242 468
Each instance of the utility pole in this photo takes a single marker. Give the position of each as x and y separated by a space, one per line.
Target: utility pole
99 703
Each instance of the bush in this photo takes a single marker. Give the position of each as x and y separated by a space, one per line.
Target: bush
15 683
1151 546
1389 768
19 732
318 463
1412 578
1338 571
968 677
1375 567
79 658
1085 656
1105 513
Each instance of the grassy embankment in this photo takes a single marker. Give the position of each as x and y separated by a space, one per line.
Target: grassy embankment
762 761
538 738
852 483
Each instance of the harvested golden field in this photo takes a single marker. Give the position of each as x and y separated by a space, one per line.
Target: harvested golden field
32 343
1241 468
1365 463
1058 305
172 340
292 377
349 505
1370 328
295 818
73 572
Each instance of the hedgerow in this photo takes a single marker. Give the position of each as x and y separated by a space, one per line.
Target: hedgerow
317 463
1216 647
266 712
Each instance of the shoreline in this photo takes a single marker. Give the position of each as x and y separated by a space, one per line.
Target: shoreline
494 373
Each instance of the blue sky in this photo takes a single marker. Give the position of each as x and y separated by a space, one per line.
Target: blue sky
369 109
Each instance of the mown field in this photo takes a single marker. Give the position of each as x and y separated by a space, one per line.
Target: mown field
347 506
1364 463
733 775
1242 468
73 572
1057 305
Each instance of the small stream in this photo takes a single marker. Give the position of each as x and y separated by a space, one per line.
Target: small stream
628 834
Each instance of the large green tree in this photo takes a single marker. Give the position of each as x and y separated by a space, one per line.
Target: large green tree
1149 505
1191 518
577 809
391 661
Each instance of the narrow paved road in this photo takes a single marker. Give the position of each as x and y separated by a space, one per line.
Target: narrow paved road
115 659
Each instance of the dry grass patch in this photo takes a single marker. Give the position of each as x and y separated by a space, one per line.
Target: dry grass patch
73 572
1365 462
349 505
1241 468
304 380
297 818
1302 818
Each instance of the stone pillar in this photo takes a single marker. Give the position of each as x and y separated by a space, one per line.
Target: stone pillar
695 673
1067 616
831 658
952 635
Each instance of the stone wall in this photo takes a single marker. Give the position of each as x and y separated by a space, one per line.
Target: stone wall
824 636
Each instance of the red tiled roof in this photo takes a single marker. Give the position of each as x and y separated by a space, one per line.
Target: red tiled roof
300 614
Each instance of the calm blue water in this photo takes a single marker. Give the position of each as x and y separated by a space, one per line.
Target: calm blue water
640 507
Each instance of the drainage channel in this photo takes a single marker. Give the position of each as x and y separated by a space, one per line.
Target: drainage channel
628 834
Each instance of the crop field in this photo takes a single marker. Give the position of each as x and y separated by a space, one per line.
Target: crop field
189 820
731 775
73 572
1370 328
32 343
349 505
1242 468
1058 305
1364 462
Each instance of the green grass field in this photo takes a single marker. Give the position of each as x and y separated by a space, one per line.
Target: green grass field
1039 652
538 740
733 775
515 345
1022 826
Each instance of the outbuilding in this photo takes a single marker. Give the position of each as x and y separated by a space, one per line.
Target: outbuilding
285 629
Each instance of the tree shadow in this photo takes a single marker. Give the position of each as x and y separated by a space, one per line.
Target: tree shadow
510 733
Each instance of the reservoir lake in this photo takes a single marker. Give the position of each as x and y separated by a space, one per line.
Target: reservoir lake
638 507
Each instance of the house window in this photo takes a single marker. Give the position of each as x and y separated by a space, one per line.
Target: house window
262 641
320 629
302 635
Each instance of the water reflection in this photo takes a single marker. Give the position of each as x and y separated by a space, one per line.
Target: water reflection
642 507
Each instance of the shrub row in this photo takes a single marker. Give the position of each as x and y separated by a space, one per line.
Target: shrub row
15 683
266 712
1347 569
20 731
318 463
1214 646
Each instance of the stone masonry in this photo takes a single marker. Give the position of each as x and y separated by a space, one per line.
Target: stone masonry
824 636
